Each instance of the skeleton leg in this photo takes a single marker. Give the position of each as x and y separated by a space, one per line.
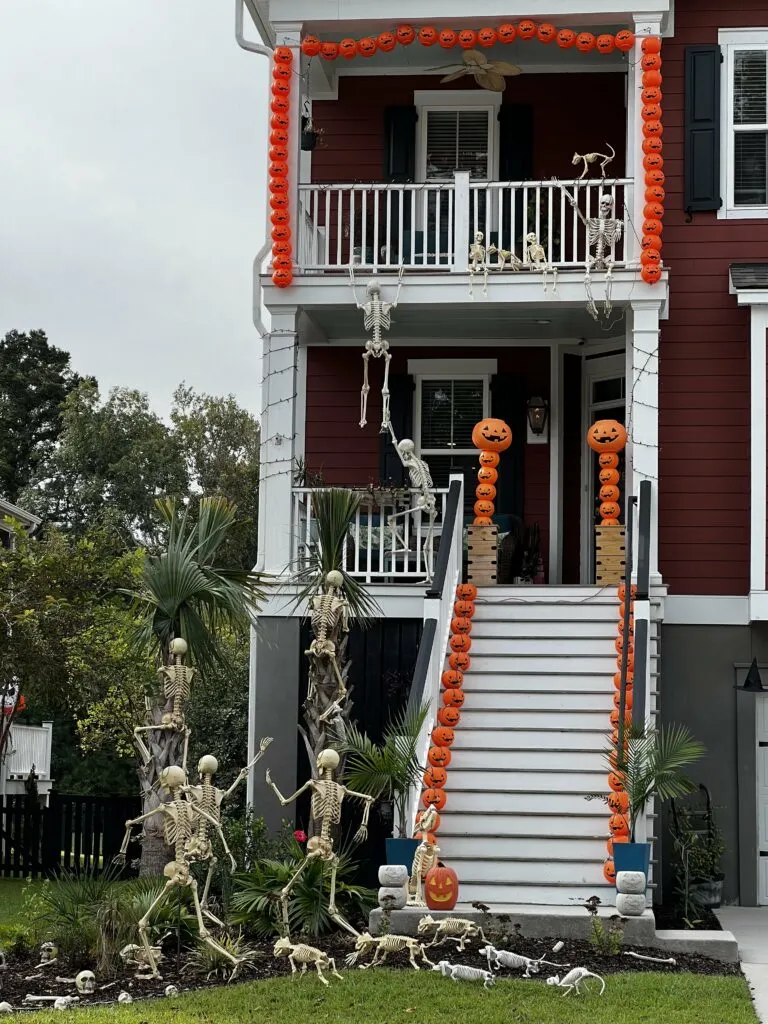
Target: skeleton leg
292 962
608 306
143 923
320 972
364 390
333 912
334 972
569 989
206 936
428 552
385 395
204 898
591 304
285 894
393 528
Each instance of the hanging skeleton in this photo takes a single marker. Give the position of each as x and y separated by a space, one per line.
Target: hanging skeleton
603 232
177 683
329 611
478 263
377 317
421 481
536 258
327 798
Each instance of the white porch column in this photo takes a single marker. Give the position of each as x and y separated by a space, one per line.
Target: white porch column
757 448
645 25
278 441
643 413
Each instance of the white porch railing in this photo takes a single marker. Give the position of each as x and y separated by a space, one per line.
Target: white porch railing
373 550
429 226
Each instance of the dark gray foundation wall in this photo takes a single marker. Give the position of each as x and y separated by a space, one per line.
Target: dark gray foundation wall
700 666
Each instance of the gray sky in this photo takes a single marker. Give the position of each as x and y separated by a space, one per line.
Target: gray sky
131 189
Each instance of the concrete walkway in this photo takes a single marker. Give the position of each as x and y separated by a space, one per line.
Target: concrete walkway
750 926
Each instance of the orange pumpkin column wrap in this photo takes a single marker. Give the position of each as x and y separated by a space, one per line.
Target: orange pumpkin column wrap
607 438
651 113
491 436
441 888
280 139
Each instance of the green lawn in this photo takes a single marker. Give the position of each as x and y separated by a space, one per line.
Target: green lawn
11 892
404 997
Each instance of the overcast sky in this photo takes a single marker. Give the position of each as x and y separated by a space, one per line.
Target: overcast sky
131 189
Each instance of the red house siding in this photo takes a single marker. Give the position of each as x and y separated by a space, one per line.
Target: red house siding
704 354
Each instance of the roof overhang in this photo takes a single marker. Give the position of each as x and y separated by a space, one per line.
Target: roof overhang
10 511
749 283
259 12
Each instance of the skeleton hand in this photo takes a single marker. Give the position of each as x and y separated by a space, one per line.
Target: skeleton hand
361 835
119 858
268 778
265 742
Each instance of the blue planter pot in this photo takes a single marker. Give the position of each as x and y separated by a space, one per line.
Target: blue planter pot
632 857
401 851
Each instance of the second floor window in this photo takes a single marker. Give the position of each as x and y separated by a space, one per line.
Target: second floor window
447 408
744 122
457 140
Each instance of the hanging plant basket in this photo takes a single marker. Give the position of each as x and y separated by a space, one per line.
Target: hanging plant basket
309 140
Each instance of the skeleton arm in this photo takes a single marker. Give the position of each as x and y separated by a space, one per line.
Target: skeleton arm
217 826
243 775
362 833
285 800
129 825
572 201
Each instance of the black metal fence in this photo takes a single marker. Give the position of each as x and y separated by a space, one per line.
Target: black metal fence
72 834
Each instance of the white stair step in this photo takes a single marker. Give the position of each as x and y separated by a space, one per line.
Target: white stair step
524 848
522 780
505 663
550 895
536 870
515 629
516 823
492 677
544 646
547 612
468 804
495 757
536 711
497 736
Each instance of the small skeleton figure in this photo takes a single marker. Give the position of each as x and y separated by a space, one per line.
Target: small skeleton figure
209 798
425 858
458 929
177 682
458 972
506 256
592 158
134 956
536 258
603 232
421 481
498 958
304 955
383 946
327 798
377 317
573 979
478 263
329 611
179 827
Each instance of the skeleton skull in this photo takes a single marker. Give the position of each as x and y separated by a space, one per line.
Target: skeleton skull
125 997
172 777
606 207
6 1008
328 759
207 765
48 951
171 991
178 646
334 579
85 983
64 1002
10 696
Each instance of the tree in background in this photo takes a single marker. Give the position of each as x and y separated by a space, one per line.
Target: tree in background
35 379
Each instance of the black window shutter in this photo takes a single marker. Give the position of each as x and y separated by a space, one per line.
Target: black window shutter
400 144
702 128
401 388
508 403
515 142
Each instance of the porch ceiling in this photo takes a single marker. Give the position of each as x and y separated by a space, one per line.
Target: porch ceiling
473 321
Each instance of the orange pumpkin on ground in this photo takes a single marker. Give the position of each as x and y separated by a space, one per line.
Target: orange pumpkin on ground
491 435
439 757
441 888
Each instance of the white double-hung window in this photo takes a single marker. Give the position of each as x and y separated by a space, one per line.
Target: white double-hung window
744 122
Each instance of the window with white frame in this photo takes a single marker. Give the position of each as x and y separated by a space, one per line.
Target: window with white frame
745 122
457 132
447 408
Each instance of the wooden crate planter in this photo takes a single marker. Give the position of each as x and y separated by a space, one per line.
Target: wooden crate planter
482 547
610 553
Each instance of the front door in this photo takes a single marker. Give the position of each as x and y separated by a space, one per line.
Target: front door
603 398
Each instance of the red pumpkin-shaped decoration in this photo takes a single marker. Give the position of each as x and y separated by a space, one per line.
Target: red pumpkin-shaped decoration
464 609
484 508
428 35
651 112
621 591
651 94
607 436
448 716
566 38
653 211
386 41
610 510
482 521
278 137
605 43
486 491
487 36
278 154
441 888
281 232
329 51
612 842
653 163
435 778
367 46
617 680
610 522
443 736
280 87
546 32
311 46
278 170
650 257
454 699
650 62
626 627
628 699
609 476
618 802
447 38
491 435
405 34
282 262
651 273
507 32
652 144
585 42
616 782
451 678
466 592
279 201
283 55
655 178
489 459
461 625
655 194
459 660
652 227
279 105
460 643
348 48
282 249
615 717
617 825
526 29
467 38
487 475
279 120
436 797
625 40
609 492
651 44
609 871
439 757
607 460
653 129
282 277
652 76
277 185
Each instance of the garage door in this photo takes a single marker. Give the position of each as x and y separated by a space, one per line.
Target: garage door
762 796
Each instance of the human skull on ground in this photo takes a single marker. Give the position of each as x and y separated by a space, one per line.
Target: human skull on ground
49 952
125 997
85 983
171 991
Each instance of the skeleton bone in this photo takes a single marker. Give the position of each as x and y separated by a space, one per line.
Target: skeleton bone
478 263
536 258
573 979
304 956
505 256
603 233
458 929
6 1008
29 999
170 992
421 481
377 318
383 945
458 972
425 858
177 683
498 958
654 959
327 798
125 998
591 158
329 612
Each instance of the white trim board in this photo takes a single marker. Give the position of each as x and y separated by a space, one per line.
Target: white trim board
705 610
731 40
471 367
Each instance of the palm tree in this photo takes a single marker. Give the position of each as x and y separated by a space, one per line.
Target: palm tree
184 593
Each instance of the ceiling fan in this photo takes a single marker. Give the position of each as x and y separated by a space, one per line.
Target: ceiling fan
489 74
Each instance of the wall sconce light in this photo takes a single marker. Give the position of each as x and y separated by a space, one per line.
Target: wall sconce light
537 409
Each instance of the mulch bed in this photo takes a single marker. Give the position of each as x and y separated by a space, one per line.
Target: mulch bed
669 917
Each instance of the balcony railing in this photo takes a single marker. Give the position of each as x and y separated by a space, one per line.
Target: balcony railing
374 550
430 227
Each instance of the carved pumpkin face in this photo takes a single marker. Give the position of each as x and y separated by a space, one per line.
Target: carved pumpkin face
484 509
466 592
283 262
283 55
280 87
585 42
650 257
625 39
626 627
489 459
651 273
615 718
486 491
526 29
282 277
443 736
617 680
651 112
618 803
279 120
459 660
616 782
461 625
651 242
427 35
441 888
653 211
282 249
465 609
447 38
439 757
405 34
487 475
652 145
610 510
348 48
655 194
282 72
460 643
653 129
628 699
655 177
609 492
653 162
651 94
311 46
329 51
618 825
280 233
467 38
280 218
608 460
278 154
453 698
279 105
652 76
367 46
652 227
606 436
621 591
451 678
435 778
609 871
605 43
609 476
278 201
507 32
650 62
482 521
566 37
277 185
487 36
278 169
278 137
492 435
448 716
386 42
546 32
434 796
